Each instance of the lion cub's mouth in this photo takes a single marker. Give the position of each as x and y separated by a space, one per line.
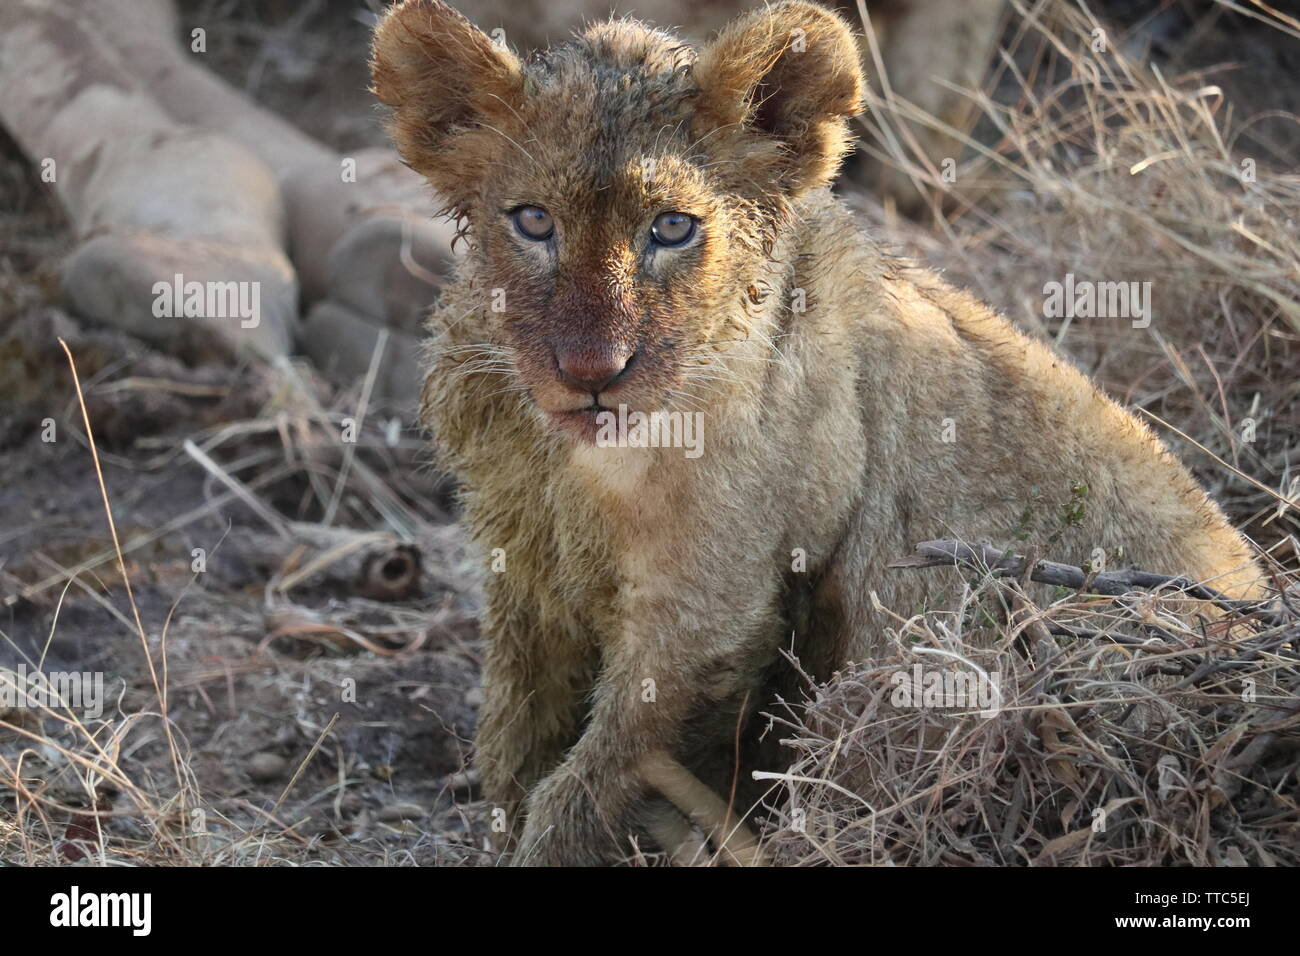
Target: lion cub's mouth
578 424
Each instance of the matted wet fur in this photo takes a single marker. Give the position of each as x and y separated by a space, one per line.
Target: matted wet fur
852 405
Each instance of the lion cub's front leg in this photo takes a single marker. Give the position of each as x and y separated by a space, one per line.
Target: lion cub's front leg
531 709
684 646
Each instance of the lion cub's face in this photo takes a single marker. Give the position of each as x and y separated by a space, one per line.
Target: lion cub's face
611 250
623 193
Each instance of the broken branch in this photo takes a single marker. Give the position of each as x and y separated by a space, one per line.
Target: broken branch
1006 563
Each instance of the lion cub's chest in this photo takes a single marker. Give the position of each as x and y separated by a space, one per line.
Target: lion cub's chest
614 476
641 503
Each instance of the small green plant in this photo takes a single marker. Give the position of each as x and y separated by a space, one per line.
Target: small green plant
1073 511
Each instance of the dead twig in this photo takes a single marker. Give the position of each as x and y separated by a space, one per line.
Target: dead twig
1005 563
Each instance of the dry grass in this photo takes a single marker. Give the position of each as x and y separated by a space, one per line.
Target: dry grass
124 788
1119 734
1101 166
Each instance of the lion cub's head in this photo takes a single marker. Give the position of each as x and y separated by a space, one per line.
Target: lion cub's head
623 191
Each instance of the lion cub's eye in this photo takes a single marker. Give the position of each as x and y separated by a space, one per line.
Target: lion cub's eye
533 222
673 228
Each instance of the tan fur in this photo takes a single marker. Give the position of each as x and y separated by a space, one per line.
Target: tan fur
646 595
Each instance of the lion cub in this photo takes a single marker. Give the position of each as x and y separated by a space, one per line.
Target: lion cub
652 232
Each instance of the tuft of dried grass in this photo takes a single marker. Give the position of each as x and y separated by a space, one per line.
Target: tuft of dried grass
1105 732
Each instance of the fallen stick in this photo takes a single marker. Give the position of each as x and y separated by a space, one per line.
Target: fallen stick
1006 563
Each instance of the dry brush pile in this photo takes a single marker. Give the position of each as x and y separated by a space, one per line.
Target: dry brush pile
1134 730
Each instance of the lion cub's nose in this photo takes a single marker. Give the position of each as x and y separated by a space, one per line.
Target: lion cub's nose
592 370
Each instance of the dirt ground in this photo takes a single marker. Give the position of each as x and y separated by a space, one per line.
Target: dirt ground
321 722
252 673
254 677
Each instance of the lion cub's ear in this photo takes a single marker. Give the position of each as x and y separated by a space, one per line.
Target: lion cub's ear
447 82
791 72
